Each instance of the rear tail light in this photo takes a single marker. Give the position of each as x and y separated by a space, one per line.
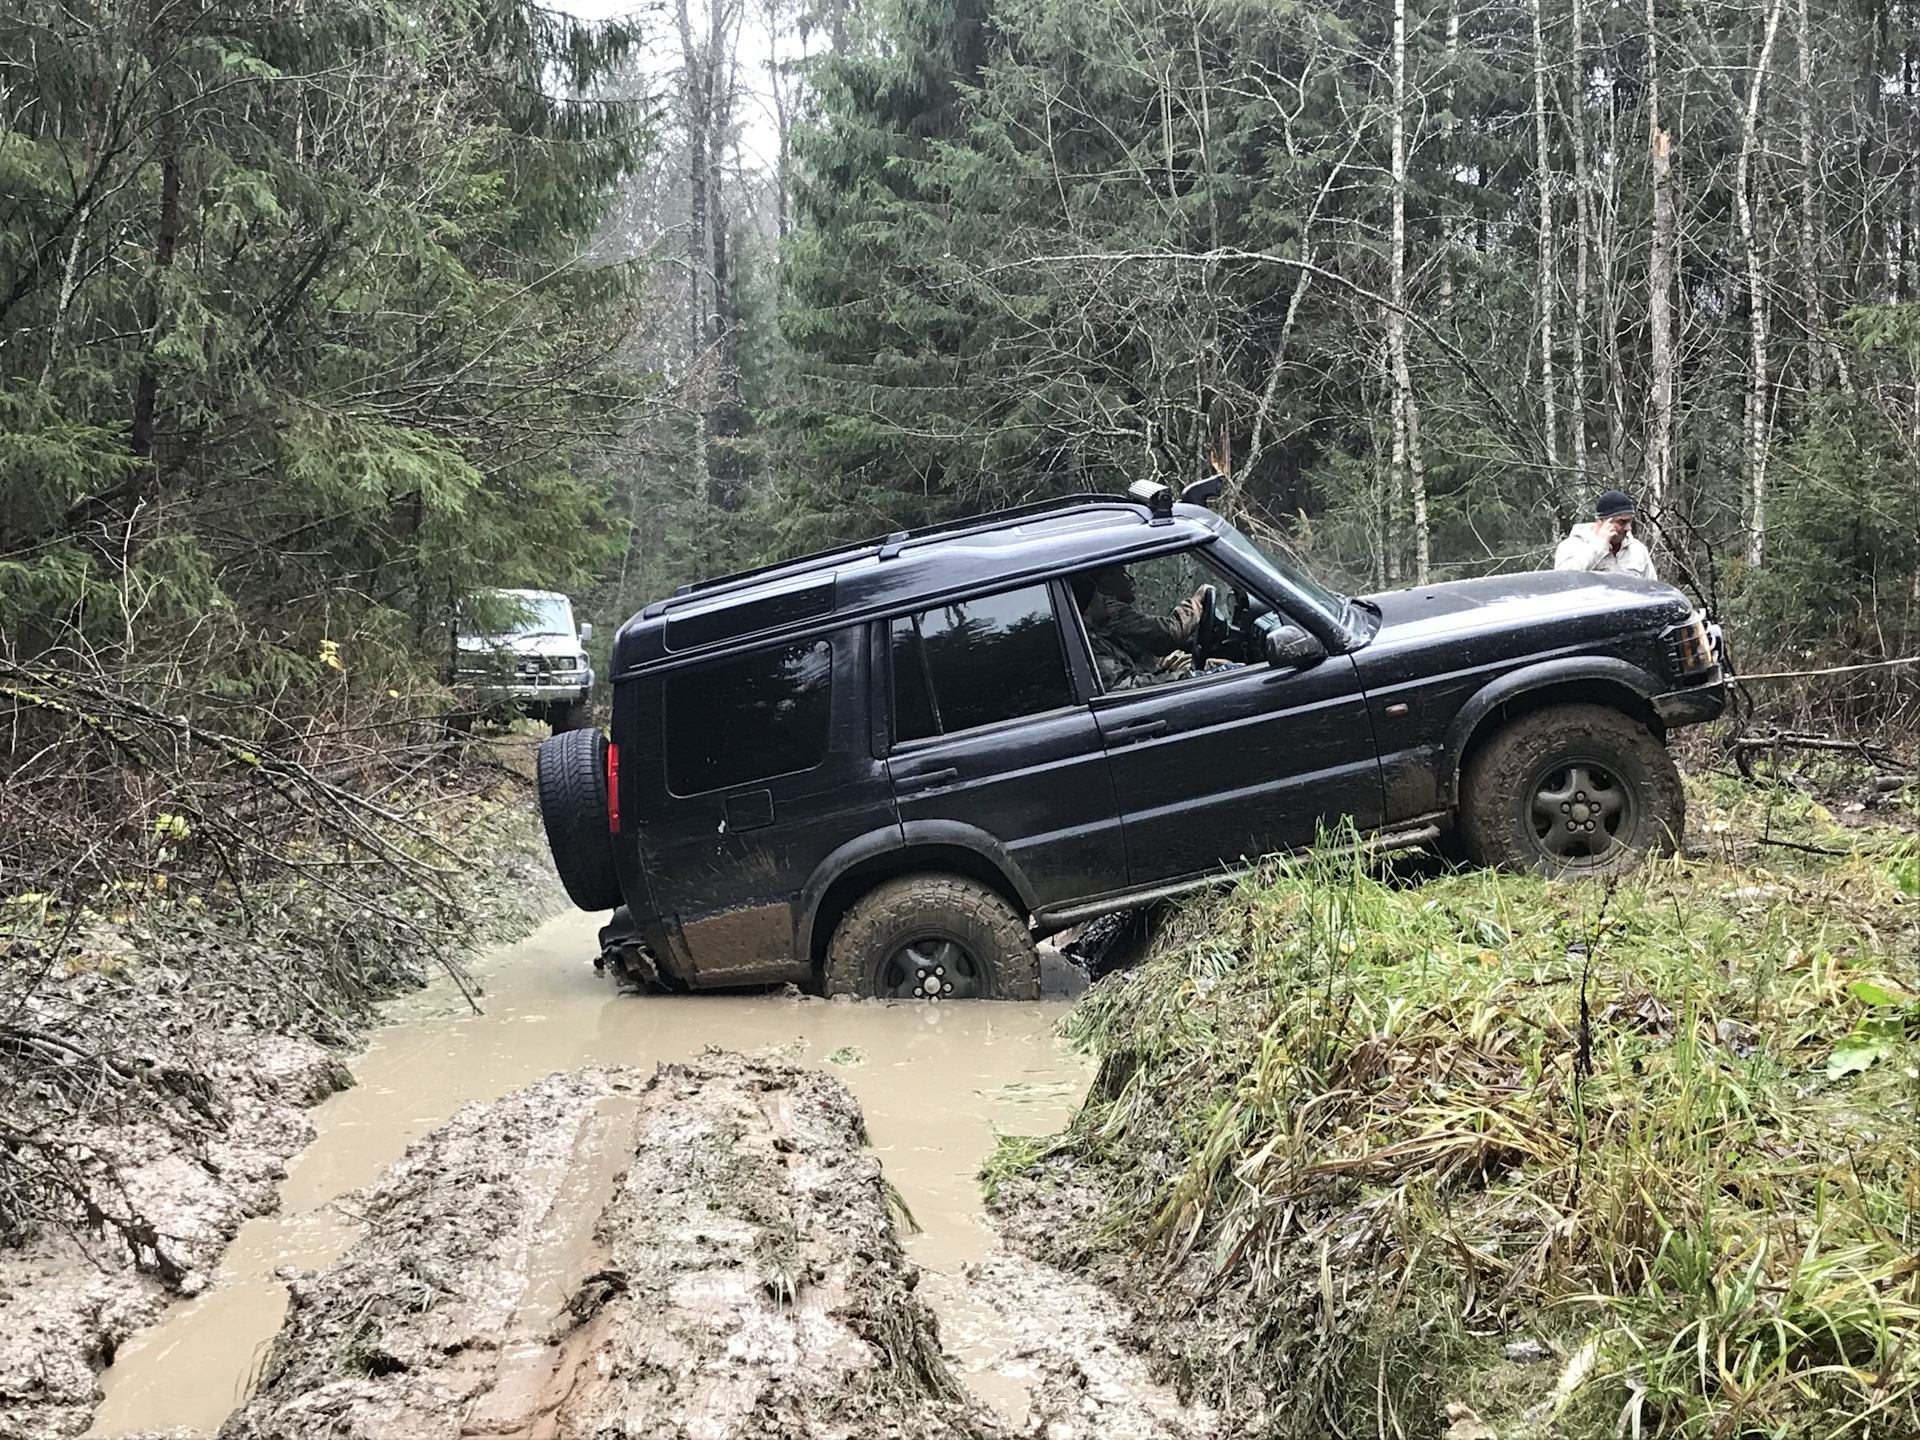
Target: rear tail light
613 788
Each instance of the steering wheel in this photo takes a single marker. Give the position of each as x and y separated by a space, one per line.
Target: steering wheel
1206 635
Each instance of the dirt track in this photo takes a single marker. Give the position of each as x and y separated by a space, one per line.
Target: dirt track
708 1251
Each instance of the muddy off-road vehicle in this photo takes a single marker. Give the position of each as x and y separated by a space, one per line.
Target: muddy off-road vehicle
888 769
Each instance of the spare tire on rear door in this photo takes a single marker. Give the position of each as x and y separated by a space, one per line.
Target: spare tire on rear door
573 806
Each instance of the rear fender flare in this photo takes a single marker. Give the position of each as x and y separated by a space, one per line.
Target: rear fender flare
1628 682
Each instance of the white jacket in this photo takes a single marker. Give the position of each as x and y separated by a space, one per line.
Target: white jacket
1580 551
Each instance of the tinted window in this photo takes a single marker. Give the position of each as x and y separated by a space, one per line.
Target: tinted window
913 715
748 718
992 659
689 632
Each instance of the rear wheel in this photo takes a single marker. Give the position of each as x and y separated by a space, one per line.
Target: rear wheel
572 771
933 937
1571 791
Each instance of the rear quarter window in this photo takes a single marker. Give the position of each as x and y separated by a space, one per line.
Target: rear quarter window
977 662
748 718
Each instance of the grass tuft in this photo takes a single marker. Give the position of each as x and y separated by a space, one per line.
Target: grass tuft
1360 1132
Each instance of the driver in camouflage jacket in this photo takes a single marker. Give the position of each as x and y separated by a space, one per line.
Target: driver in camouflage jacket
1130 647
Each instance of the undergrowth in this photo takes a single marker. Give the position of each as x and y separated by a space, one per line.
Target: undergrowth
1354 1133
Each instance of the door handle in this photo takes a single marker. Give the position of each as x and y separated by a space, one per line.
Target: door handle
927 781
1139 730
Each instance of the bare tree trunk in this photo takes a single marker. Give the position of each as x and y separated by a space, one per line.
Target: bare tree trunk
1582 220
1408 470
1659 469
1809 250
1448 224
1606 234
696 113
782 124
1544 180
1757 427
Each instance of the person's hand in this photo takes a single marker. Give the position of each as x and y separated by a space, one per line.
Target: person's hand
1613 531
1176 660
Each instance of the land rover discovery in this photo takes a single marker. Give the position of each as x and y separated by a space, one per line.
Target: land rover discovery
887 769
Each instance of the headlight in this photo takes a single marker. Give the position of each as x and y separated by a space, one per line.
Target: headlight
1690 646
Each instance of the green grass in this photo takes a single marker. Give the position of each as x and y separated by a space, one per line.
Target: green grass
1359 1127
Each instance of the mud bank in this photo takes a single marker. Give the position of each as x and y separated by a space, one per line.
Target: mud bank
704 1251
208 1091
68 1301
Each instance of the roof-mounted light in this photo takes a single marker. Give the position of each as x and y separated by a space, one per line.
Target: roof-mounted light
1156 497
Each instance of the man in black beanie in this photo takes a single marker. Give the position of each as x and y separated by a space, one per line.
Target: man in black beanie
1608 544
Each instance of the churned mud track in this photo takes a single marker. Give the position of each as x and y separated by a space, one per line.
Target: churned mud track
708 1251
69 1299
738 1275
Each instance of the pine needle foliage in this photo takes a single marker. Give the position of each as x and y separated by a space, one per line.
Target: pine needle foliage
293 344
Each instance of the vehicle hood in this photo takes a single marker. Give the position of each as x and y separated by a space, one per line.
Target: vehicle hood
545 645
1524 601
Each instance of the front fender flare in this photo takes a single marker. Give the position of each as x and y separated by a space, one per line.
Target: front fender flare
1572 670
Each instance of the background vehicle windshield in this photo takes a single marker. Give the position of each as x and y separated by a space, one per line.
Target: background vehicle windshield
1293 575
501 615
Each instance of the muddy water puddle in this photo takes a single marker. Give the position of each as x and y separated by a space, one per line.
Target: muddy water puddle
935 1081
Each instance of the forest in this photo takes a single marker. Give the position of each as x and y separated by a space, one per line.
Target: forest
318 318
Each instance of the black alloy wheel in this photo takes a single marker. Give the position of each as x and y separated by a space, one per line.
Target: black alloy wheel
1581 810
931 967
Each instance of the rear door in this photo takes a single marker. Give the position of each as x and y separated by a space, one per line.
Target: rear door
993 745
766 767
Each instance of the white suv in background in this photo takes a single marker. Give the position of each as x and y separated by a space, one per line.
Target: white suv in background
520 649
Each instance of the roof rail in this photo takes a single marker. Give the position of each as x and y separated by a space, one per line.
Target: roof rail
886 548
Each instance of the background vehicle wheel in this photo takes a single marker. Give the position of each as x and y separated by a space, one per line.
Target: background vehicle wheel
1570 791
933 937
572 772
565 715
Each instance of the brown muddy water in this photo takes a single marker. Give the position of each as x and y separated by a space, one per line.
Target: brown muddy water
936 1082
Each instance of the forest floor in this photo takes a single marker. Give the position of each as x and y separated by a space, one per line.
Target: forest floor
1396 1152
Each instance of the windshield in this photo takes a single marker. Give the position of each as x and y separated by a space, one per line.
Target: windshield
1293 577
503 615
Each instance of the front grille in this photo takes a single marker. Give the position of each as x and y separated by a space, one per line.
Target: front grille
1690 646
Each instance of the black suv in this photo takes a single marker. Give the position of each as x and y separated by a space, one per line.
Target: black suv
888 769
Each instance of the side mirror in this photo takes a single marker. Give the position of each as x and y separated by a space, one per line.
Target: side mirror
586 631
1289 648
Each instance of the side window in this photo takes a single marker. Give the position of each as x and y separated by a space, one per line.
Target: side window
748 718
976 662
913 717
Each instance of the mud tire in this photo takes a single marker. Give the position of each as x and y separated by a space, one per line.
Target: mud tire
1499 822
937 909
572 773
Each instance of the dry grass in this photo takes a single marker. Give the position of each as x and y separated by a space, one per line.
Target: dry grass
1358 1130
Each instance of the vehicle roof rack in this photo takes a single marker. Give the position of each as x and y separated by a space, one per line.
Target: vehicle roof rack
884 549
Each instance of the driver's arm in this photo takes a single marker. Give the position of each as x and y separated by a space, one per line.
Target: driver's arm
1154 634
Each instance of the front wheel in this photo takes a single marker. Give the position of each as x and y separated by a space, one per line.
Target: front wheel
933 937
1571 791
